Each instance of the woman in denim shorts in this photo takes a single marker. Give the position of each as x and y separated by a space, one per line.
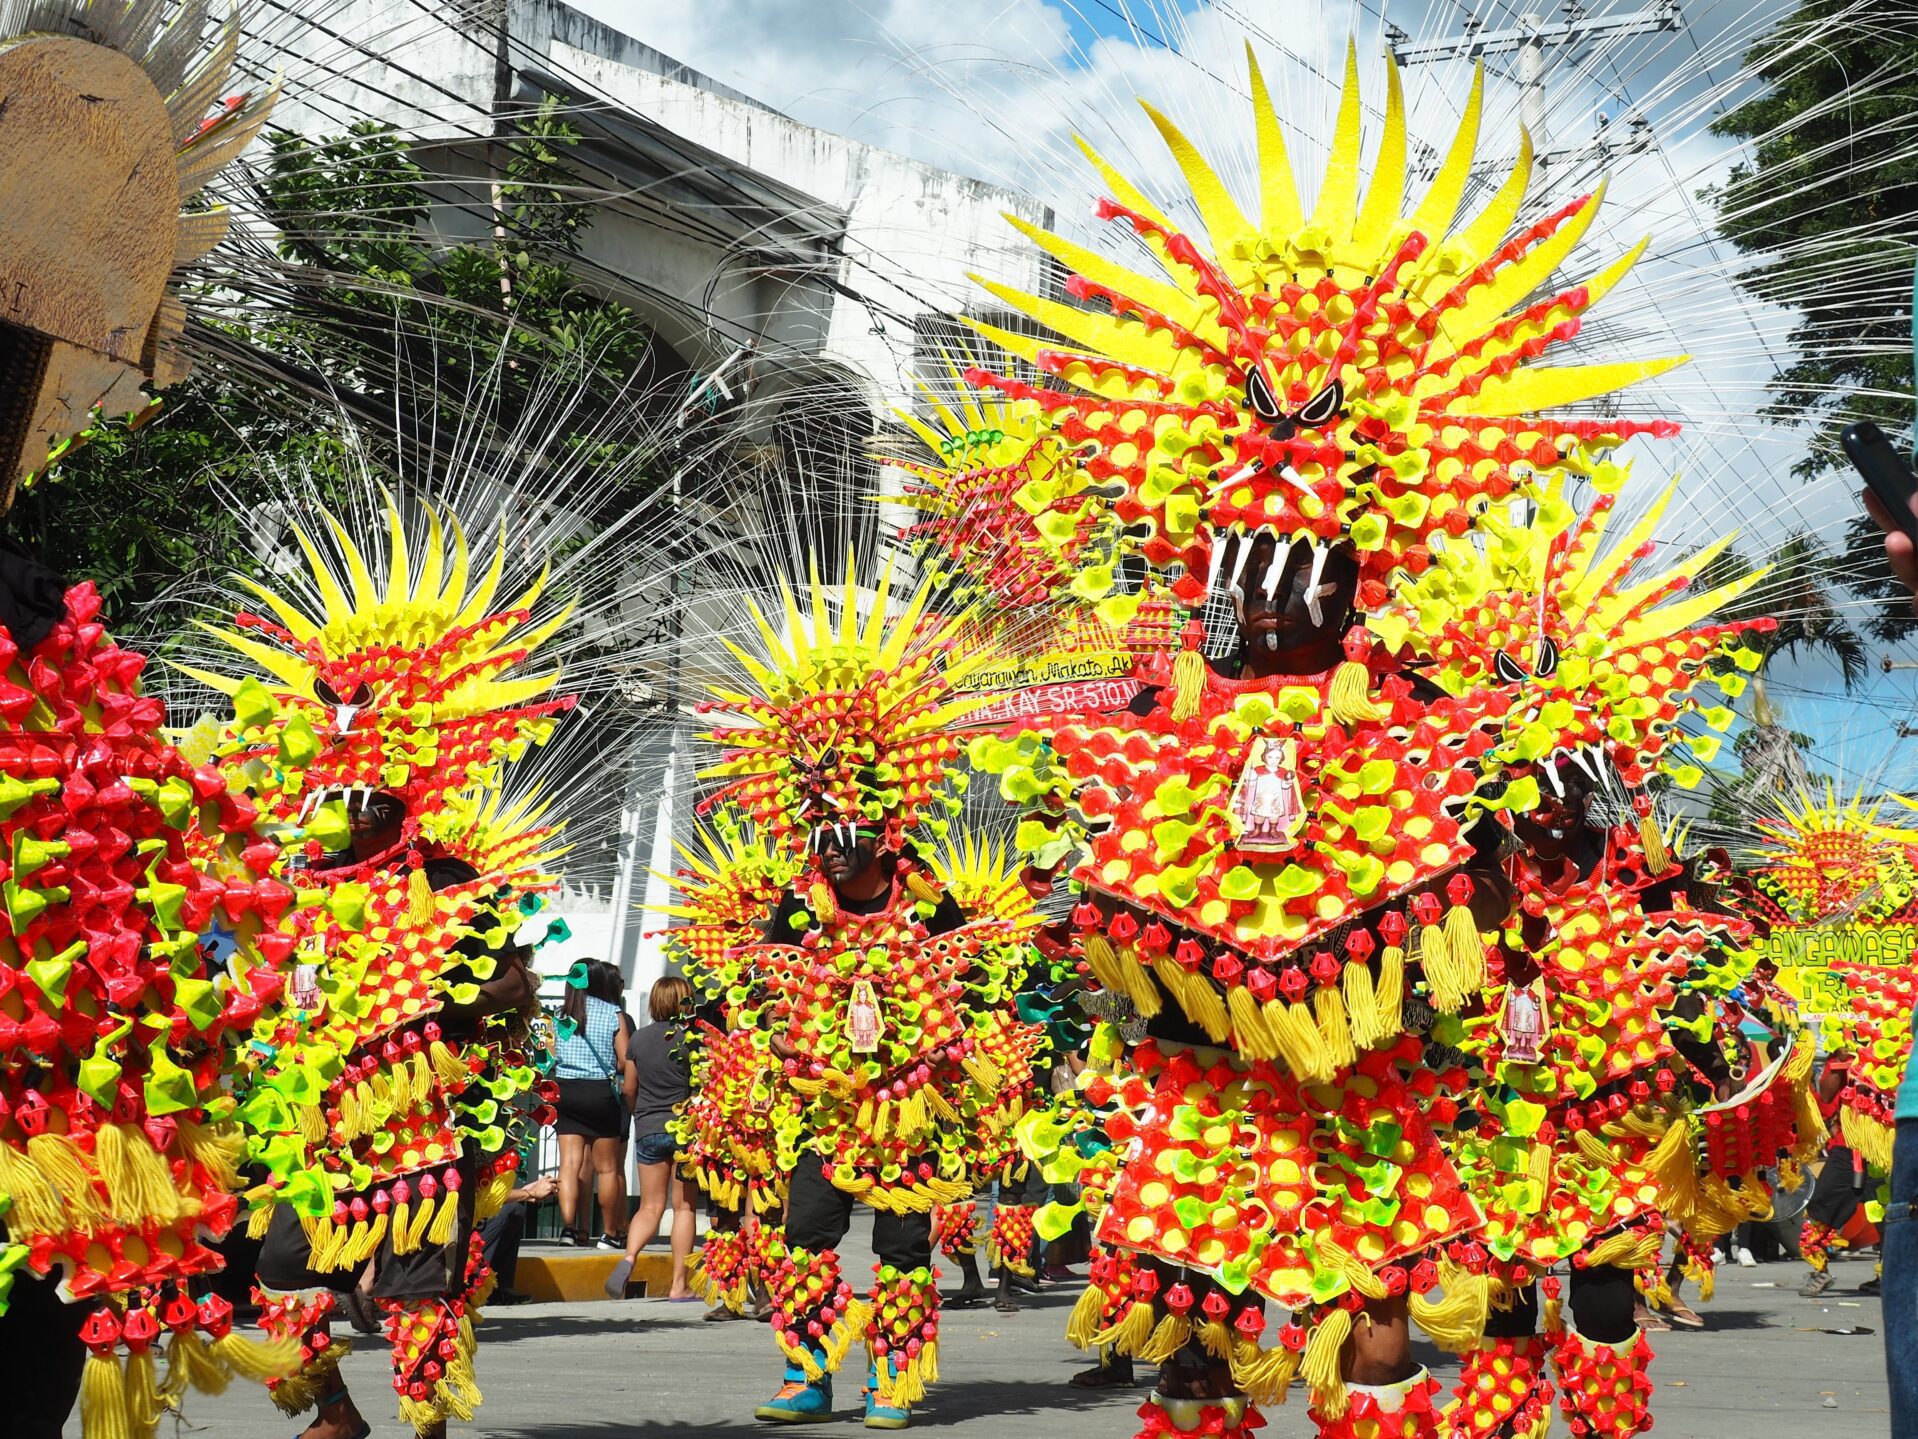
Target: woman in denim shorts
658 1052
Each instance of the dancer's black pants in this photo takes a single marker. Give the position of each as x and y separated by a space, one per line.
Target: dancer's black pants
818 1216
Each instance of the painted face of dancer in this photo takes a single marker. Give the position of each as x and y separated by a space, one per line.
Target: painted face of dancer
374 825
1553 828
1296 631
850 858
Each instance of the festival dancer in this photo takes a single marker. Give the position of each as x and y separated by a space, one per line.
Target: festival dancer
839 751
1280 846
133 956
985 880
1827 862
1583 1146
371 731
729 1131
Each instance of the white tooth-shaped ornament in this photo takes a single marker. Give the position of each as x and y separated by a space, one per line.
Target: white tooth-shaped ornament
1551 773
1244 472
1582 757
1295 479
1219 548
1319 553
1279 553
1243 553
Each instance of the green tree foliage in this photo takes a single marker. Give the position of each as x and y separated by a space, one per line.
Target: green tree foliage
385 298
1828 207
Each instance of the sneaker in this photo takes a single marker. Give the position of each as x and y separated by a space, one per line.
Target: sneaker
1745 1259
606 1241
570 1237
799 1400
1816 1283
1870 1286
616 1281
880 1415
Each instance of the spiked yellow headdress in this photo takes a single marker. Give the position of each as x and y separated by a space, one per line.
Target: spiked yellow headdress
1602 660
999 512
850 722
399 688
1360 374
1822 858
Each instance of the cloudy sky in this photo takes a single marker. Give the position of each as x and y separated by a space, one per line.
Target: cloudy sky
996 90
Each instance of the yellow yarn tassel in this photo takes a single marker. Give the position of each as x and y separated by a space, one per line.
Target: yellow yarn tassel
216 1148
1138 984
402 1230
451 1068
36 1206
1389 993
191 1365
1167 1339
60 1161
1255 1040
1133 1332
264 1359
311 1120
1468 950
1263 1374
421 907
1296 1036
820 899
1321 1364
1441 975
103 1398
441 1231
492 1195
1334 1030
145 1402
1195 995
1455 1320
1216 1338
145 1181
1657 858
1103 960
1348 699
1083 1322
1188 685
1361 1007
422 1221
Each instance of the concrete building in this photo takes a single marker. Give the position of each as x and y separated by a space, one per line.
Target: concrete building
794 281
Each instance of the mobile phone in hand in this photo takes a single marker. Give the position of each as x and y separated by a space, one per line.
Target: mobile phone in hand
1885 472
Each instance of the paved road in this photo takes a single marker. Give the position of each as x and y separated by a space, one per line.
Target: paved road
592 1371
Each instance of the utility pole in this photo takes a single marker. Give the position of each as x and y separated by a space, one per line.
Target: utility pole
1528 40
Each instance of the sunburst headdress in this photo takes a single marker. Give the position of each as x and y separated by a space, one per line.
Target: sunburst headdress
401 687
726 883
129 109
1822 858
1361 374
995 498
1606 660
849 719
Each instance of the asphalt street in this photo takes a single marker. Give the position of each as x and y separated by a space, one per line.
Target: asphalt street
1768 1364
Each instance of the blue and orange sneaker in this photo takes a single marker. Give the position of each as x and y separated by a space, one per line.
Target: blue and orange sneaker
880 1415
799 1401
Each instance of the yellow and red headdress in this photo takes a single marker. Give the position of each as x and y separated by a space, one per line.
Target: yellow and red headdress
1605 660
997 514
402 687
1361 374
849 719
